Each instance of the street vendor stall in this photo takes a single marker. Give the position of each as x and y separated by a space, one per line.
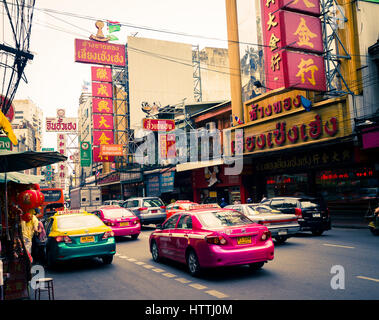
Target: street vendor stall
19 194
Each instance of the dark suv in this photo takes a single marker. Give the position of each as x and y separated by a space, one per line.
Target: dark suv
312 213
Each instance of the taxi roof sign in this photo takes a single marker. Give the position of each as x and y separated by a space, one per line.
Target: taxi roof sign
204 206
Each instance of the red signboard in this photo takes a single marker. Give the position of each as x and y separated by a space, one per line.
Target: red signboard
300 31
102 122
103 137
102 89
102 105
97 157
305 71
103 74
94 52
284 30
158 125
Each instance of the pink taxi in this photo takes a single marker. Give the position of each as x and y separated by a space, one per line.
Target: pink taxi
122 221
206 238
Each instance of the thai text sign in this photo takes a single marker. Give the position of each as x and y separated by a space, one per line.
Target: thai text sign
99 53
158 125
111 150
67 125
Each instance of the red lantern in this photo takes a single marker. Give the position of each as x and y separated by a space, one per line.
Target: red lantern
27 216
28 200
41 198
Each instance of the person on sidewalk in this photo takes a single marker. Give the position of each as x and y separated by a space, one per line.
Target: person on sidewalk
30 226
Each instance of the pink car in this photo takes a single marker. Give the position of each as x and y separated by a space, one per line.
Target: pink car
208 238
122 221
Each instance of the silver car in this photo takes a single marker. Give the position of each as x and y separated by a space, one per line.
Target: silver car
149 210
282 226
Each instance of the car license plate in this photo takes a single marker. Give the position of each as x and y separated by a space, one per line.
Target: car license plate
154 211
87 239
282 232
316 215
124 224
244 240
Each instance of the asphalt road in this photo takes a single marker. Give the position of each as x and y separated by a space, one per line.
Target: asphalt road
305 267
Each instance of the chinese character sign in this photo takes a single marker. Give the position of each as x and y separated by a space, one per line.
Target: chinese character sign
102 105
103 137
98 157
102 74
62 169
297 29
102 89
102 122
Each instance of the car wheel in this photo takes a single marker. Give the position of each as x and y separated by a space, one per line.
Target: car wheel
280 239
155 252
135 236
317 232
256 266
193 263
374 231
107 259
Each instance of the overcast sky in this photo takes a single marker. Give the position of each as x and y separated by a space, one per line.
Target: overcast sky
55 80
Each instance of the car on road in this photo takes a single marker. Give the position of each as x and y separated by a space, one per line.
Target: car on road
313 214
208 238
149 210
122 221
113 202
282 226
178 206
76 234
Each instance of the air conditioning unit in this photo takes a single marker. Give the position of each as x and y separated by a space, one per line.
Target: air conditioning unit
210 126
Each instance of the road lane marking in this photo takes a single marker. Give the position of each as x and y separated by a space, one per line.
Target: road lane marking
182 280
132 259
123 257
337 245
158 270
140 263
197 286
367 278
217 294
148 266
169 275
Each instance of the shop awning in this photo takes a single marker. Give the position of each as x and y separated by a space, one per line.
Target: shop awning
198 164
21 178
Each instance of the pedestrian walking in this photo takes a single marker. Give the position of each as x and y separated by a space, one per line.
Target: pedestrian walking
30 226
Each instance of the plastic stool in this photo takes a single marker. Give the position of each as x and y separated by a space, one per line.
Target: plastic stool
48 286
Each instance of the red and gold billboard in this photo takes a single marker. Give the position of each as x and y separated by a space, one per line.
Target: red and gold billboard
97 157
111 150
305 71
102 106
99 53
103 74
103 137
300 31
102 89
283 30
102 122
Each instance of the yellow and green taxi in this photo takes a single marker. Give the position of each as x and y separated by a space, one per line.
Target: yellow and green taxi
76 234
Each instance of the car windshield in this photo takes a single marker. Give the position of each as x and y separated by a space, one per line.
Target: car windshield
117 213
72 222
227 218
261 209
309 204
153 203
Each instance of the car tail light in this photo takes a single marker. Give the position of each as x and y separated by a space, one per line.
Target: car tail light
298 213
142 209
107 234
216 240
65 239
109 223
266 236
163 207
136 221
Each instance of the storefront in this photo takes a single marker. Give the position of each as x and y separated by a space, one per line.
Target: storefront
160 183
131 183
293 151
211 184
110 187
